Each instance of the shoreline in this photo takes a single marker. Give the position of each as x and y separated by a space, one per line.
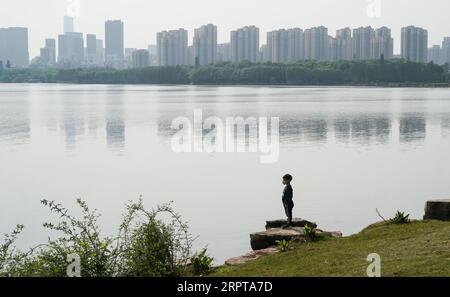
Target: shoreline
350 85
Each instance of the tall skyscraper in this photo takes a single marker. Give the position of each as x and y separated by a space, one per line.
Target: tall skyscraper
114 43
414 44
344 44
69 25
70 49
363 40
172 47
91 49
205 45
140 58
316 44
14 46
383 44
245 44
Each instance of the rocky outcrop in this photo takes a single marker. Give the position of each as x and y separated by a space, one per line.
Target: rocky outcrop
270 237
437 210
251 256
296 222
266 242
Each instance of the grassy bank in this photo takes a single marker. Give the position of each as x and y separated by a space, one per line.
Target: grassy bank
419 248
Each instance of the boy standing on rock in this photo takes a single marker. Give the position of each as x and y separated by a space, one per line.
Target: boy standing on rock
288 203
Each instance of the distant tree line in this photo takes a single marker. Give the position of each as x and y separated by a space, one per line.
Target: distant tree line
296 73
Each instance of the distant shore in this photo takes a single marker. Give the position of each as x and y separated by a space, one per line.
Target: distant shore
369 73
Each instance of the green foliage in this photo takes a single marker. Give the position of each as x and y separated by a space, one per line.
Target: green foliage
284 245
400 218
310 72
310 232
202 263
145 245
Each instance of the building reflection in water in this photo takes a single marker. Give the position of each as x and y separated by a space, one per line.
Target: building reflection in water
14 121
115 123
412 128
72 122
363 130
445 124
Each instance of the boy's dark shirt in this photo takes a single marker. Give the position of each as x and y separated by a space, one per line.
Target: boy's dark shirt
288 194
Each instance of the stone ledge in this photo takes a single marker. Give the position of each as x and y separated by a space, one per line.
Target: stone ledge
251 256
437 210
296 222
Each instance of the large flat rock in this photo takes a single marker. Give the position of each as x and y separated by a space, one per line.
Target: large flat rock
296 222
269 238
253 255
437 210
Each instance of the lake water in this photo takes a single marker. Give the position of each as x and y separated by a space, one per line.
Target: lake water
350 150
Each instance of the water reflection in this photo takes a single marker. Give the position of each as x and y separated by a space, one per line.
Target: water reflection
412 128
15 121
115 124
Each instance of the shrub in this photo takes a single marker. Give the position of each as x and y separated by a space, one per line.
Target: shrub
145 245
202 263
400 218
284 245
310 232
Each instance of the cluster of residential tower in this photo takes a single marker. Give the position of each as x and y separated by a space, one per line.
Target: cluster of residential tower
72 49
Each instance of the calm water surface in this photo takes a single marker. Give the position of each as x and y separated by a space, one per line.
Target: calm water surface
351 150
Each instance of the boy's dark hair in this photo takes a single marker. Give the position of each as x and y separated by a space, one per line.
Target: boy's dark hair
288 177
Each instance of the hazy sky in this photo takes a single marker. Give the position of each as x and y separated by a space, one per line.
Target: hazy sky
143 18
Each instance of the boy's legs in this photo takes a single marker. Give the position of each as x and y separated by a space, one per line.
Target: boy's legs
288 206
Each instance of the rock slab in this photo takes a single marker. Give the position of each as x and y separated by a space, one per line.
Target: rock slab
251 256
296 222
270 237
437 210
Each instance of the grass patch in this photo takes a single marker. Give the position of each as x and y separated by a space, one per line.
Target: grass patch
420 248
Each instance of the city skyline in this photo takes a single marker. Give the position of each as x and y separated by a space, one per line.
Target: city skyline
172 48
144 20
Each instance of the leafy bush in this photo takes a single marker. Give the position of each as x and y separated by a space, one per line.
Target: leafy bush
400 218
310 232
202 263
284 245
145 245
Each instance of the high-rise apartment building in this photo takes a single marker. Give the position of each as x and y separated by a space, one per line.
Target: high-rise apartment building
414 44
14 46
70 49
172 47
114 43
363 40
69 25
344 44
224 52
205 45
91 49
245 44
383 44
140 58
47 55
316 44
